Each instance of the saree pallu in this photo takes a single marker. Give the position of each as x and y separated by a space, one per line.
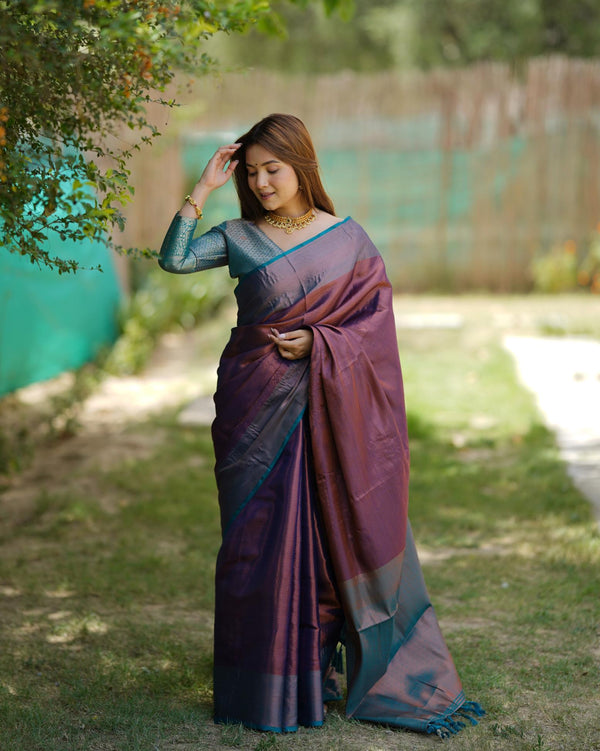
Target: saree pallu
312 468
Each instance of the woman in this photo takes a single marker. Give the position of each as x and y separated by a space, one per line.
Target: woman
311 458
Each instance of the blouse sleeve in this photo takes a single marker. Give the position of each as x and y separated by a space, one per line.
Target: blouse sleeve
181 254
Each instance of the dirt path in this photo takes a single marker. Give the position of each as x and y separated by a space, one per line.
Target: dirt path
111 425
564 375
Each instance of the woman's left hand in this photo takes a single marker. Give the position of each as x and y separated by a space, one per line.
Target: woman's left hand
293 345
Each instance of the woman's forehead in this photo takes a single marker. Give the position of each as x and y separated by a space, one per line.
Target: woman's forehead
257 155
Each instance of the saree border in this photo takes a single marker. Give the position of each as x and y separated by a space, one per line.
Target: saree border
266 473
283 253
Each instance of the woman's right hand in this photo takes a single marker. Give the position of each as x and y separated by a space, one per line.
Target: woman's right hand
216 173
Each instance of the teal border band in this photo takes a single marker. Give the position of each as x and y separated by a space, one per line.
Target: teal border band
250 495
296 247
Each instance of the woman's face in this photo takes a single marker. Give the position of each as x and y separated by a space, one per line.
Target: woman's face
274 182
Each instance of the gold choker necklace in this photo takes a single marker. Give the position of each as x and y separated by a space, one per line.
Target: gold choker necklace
290 223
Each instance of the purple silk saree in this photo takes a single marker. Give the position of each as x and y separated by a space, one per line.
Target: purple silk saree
312 469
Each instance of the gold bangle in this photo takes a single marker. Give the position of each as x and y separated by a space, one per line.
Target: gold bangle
195 206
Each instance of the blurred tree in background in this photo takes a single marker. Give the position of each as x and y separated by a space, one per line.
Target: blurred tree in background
458 32
422 33
74 74
308 40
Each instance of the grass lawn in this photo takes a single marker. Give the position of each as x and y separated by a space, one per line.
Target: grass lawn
106 589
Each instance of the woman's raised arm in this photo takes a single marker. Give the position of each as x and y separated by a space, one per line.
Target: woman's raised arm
180 253
216 173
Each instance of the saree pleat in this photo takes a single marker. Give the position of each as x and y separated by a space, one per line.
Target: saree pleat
312 466
267 625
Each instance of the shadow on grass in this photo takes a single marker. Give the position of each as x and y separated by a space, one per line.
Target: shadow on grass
107 613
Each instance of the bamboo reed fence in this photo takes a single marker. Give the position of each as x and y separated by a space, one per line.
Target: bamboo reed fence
460 176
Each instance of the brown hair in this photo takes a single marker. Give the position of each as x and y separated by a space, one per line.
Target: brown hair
287 138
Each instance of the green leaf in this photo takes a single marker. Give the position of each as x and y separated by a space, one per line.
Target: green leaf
73 76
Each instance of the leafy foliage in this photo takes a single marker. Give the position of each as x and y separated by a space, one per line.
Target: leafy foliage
556 271
458 32
74 77
427 33
163 303
563 269
308 40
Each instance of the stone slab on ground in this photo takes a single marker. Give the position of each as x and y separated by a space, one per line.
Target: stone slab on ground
564 375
